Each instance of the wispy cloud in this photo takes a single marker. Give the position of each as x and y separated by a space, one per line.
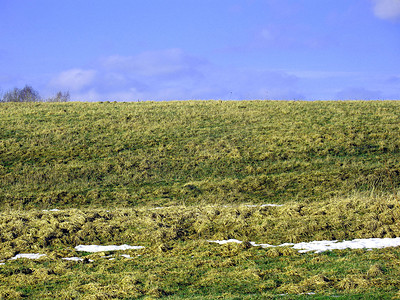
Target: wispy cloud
289 36
155 63
172 74
74 79
358 93
393 80
387 9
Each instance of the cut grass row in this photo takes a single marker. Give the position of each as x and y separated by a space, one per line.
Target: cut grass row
337 219
178 262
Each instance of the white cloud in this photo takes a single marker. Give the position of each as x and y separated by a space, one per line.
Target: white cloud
358 93
387 9
154 63
172 74
393 79
312 74
289 36
266 34
74 79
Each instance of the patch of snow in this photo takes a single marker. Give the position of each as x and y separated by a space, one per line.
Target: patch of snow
28 255
2 264
372 243
54 209
261 245
96 248
126 256
221 242
321 246
265 205
75 259
286 245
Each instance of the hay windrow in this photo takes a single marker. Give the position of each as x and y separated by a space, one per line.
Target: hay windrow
338 219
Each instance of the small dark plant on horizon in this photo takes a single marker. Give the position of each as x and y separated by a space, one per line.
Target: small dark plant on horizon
60 97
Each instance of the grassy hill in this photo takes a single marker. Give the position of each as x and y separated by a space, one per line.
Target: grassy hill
165 153
171 176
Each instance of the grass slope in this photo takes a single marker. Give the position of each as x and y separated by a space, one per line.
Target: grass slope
334 166
125 154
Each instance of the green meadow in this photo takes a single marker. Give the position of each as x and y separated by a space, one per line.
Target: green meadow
170 176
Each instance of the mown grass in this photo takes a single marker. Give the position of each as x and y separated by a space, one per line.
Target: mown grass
109 166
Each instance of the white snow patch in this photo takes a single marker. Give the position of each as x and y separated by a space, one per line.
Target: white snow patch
76 259
221 242
126 256
73 258
261 245
321 246
265 205
28 255
372 243
96 248
54 209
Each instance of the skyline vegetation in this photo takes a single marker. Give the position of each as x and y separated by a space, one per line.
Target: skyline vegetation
29 94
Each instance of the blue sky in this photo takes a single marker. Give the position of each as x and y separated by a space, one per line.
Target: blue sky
130 50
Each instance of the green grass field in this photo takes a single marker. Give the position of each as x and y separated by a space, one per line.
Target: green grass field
170 176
